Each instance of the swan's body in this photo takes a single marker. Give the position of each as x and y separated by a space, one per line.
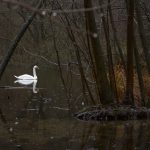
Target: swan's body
24 82
27 76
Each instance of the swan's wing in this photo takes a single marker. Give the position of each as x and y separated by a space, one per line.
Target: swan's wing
24 77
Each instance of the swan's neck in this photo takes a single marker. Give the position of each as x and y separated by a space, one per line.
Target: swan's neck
34 73
34 87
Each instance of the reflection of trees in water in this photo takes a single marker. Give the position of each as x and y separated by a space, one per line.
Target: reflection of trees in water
128 137
140 137
86 134
122 136
35 107
106 136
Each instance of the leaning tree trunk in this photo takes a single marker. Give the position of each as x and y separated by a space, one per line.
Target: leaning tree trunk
140 77
142 34
130 51
103 83
17 39
116 37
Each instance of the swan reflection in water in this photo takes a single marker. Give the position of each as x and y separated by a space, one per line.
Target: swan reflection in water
28 82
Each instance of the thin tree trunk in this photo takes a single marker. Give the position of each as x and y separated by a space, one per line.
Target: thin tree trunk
109 56
142 34
17 39
140 78
103 83
92 62
129 99
116 38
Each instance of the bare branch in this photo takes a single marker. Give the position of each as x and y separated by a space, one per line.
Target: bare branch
44 11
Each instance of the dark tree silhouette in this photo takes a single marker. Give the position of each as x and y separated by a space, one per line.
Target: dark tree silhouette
130 51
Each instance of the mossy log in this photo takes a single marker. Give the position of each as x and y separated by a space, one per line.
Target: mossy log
113 113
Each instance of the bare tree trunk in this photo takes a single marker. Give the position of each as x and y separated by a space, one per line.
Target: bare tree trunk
109 56
142 34
139 73
103 83
129 99
140 78
17 39
92 62
116 38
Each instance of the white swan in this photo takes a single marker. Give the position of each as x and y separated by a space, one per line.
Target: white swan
28 77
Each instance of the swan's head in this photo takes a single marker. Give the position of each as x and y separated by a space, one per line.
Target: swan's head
36 67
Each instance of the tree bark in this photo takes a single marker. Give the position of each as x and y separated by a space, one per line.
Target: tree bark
129 99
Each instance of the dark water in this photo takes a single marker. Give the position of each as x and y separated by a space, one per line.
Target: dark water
41 119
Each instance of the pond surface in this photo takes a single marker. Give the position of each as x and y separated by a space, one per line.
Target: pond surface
38 117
